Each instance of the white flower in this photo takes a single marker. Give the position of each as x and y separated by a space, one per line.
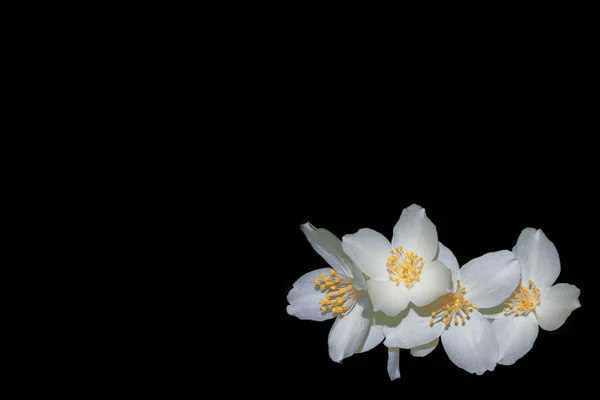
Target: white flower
535 301
405 270
339 292
466 335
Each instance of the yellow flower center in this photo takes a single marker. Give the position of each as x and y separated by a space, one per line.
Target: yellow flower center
524 300
340 293
404 267
451 307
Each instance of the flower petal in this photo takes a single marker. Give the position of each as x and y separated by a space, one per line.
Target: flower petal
423 350
375 333
515 336
413 330
538 258
387 297
348 332
393 365
472 346
415 232
556 304
369 250
491 278
328 246
305 296
435 281
449 260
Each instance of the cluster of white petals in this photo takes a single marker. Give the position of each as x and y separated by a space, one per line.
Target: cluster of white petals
411 293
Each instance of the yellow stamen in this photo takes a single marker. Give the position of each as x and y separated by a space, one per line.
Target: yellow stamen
453 306
340 296
404 267
524 300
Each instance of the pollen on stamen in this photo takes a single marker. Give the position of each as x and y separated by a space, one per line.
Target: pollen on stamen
339 294
454 307
404 267
524 300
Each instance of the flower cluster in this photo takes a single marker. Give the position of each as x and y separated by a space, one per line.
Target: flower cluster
411 293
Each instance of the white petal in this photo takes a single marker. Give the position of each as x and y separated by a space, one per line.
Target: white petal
556 304
328 246
348 332
538 258
515 336
413 330
305 296
491 278
359 279
422 351
374 335
471 346
415 232
393 365
435 281
449 260
387 297
369 250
